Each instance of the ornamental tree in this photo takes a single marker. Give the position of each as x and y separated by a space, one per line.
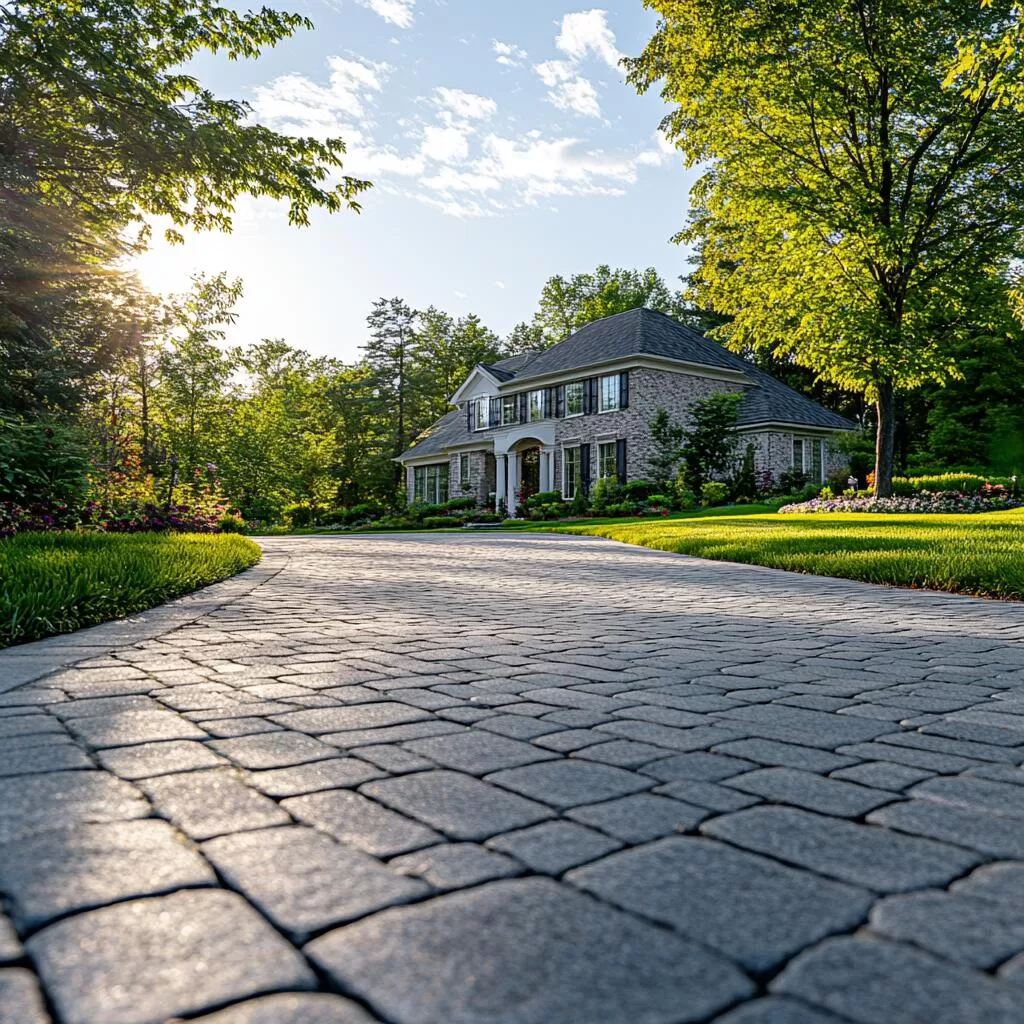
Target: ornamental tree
864 193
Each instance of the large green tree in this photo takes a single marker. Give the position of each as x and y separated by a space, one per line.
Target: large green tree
865 187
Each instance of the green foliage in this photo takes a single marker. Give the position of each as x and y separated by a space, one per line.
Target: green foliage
864 198
580 505
231 523
41 462
55 583
607 491
966 483
299 515
744 480
710 442
667 438
968 554
713 493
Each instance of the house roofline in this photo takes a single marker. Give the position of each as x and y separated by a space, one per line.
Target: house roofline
479 368
793 424
637 359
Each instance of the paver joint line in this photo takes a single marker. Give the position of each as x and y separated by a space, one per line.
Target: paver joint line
522 780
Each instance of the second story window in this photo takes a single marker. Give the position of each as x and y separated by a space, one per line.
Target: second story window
480 409
536 406
509 410
574 398
609 393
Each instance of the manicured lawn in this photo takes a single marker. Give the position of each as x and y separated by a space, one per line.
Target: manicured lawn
57 582
701 513
969 554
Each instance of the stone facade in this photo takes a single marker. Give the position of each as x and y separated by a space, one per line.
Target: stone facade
480 477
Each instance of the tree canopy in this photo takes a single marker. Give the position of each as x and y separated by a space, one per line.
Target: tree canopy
864 197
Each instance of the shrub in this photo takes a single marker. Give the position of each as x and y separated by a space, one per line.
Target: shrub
460 504
660 501
41 464
792 481
485 517
687 500
580 504
624 508
744 480
607 491
639 490
231 523
925 502
965 483
53 583
713 493
826 494
300 515
439 522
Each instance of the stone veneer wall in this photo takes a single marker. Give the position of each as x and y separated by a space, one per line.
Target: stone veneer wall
481 475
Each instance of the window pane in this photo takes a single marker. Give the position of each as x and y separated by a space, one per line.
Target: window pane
574 398
798 454
609 393
572 473
816 466
482 405
442 483
536 406
509 409
606 460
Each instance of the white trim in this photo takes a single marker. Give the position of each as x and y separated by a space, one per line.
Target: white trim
478 369
790 428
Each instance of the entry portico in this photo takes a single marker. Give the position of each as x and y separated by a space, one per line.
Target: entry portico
525 455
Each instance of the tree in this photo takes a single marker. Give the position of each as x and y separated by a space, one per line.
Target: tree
97 114
865 188
667 438
391 356
710 441
524 337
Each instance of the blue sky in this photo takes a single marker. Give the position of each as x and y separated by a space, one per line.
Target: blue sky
504 146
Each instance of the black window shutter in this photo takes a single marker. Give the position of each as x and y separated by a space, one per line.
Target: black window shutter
585 468
469 414
549 402
495 420
624 389
586 398
523 410
594 384
620 459
560 401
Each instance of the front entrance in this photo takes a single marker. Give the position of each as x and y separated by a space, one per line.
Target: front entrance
529 473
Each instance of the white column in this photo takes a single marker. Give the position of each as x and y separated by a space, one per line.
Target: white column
500 479
545 469
513 482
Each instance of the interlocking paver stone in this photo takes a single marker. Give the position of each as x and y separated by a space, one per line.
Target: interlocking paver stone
292 1008
459 805
143 961
555 846
54 873
867 856
21 1002
423 720
315 882
455 865
525 952
35 803
478 752
211 803
874 982
363 823
754 910
570 783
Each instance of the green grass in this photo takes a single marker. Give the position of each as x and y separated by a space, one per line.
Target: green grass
57 582
968 554
701 513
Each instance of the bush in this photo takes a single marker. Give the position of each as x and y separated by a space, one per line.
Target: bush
580 505
231 523
639 490
661 500
300 515
713 493
546 505
924 502
792 481
607 491
54 583
485 517
687 500
624 508
440 522
965 483
41 464
460 504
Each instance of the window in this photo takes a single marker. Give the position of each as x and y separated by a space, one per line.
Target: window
480 409
810 456
430 483
798 454
609 393
509 410
571 472
463 469
535 405
574 398
606 462
817 463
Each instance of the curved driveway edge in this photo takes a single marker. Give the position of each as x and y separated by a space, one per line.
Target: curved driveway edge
517 779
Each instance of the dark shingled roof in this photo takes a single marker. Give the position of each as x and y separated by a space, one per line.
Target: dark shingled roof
642 332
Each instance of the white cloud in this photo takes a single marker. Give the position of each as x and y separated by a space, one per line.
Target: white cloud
578 96
499 284
508 53
296 103
587 32
397 12
444 144
466 104
449 180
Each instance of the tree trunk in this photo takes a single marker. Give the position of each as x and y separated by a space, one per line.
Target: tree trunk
885 438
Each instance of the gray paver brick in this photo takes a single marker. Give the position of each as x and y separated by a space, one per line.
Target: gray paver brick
975 794
545 954
211 803
754 910
975 829
315 882
777 1010
317 721
336 773
361 822
873 857
10 947
872 982
128 727
455 865
881 775
805 789
568 783
519 727
139 962
274 750
21 1002
459 805
292 1008
699 766
55 873
165 758
34 760
787 755
478 752
640 818
555 846
623 753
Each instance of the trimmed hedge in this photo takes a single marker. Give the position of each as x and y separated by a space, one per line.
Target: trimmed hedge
58 582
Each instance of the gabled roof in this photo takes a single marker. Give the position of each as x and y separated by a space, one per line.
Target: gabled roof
640 332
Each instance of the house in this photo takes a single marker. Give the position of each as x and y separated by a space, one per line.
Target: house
581 410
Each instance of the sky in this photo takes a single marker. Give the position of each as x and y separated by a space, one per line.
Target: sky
504 146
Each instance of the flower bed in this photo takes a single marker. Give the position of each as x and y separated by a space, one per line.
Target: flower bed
941 502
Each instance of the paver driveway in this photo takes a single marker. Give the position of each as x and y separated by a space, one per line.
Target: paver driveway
451 780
